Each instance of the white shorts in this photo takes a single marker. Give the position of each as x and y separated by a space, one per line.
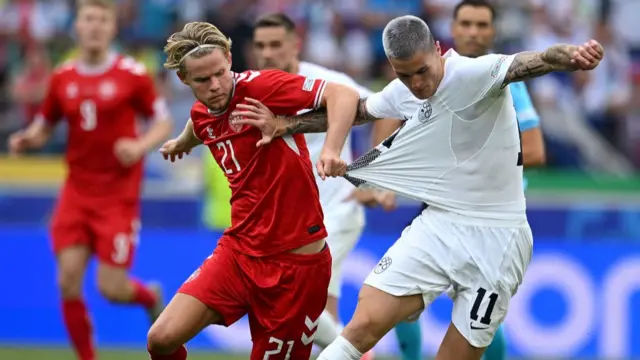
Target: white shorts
483 261
341 243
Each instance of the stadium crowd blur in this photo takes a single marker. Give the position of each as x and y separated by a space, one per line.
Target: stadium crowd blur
590 121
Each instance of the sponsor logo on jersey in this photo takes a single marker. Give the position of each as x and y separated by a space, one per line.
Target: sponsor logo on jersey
210 133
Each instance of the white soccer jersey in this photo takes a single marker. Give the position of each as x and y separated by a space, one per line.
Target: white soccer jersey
459 150
339 213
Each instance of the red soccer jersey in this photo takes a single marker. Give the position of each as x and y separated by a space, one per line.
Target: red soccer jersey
275 205
101 106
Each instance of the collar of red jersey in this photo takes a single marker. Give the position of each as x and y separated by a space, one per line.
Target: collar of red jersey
86 69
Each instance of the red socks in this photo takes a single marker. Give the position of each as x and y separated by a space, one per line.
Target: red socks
78 324
76 319
180 354
142 295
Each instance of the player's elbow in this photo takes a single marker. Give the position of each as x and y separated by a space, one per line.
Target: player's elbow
533 147
535 157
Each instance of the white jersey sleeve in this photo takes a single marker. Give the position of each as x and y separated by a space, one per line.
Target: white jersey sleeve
482 77
395 101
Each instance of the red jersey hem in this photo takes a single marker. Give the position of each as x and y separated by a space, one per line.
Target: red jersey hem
232 242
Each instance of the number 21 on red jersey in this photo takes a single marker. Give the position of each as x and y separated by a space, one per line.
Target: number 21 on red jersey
228 162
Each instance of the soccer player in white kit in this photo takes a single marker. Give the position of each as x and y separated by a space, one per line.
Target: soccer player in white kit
460 153
276 45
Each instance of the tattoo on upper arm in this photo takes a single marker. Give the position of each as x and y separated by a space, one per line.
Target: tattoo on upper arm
531 64
362 115
315 121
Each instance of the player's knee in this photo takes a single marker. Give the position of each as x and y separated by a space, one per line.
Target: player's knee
113 285
110 290
162 339
70 282
365 329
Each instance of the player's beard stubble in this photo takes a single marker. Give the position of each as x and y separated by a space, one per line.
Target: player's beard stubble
220 102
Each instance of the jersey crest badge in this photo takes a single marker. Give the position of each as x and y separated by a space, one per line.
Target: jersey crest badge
383 265
424 113
72 90
107 89
235 127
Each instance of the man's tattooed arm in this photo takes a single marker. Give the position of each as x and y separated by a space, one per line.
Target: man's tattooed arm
530 64
315 121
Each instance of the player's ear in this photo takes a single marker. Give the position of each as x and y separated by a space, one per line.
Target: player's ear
182 76
438 48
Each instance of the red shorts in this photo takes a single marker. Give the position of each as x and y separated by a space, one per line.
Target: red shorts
109 229
283 294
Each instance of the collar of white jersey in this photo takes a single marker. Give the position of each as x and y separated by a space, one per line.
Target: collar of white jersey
450 53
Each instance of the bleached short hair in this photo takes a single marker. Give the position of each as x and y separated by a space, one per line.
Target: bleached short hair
406 35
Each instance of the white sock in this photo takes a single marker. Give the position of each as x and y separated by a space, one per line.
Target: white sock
340 349
327 330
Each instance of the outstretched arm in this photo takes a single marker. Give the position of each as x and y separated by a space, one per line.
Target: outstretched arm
188 138
381 105
560 57
315 121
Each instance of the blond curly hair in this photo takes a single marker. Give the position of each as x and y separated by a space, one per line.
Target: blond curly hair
196 40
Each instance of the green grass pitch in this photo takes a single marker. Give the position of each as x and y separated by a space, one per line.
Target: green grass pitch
11 353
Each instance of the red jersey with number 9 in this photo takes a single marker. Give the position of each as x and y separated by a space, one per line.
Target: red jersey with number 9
101 105
275 205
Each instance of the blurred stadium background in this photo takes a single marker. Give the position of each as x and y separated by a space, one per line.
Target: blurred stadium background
581 295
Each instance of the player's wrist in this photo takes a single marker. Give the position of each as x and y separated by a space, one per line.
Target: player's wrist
331 148
281 126
35 141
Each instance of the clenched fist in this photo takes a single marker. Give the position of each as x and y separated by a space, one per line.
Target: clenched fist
330 164
588 55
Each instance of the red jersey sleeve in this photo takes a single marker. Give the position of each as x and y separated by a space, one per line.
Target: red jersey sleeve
198 113
286 93
51 109
146 100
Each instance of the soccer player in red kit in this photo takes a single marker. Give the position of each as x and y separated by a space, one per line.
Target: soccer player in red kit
272 263
99 95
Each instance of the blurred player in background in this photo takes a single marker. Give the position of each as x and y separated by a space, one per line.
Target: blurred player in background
276 46
272 263
100 95
473 31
